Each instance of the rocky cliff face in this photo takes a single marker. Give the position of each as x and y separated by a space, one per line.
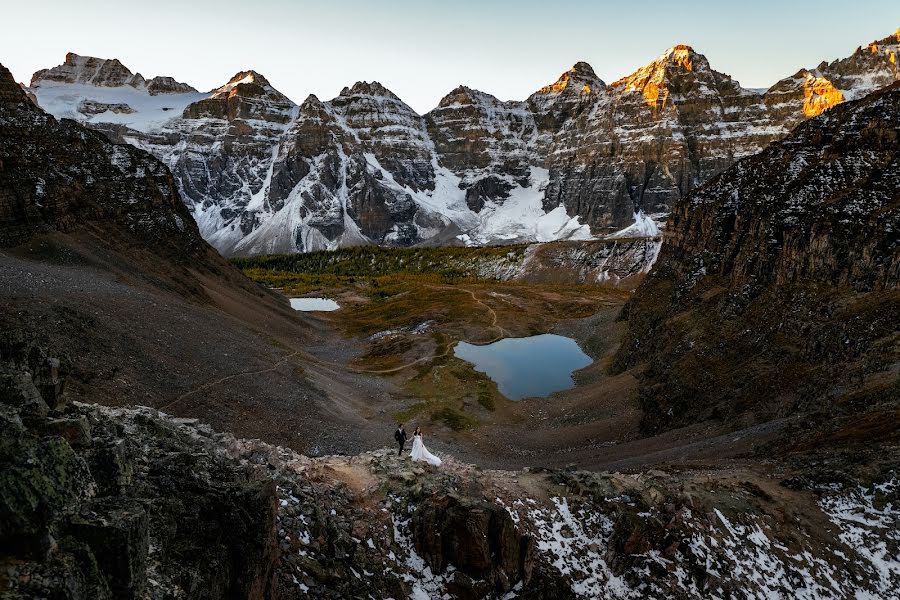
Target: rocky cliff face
776 291
220 152
57 175
810 92
103 504
649 138
577 158
345 174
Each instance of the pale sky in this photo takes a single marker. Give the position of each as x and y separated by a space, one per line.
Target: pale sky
423 49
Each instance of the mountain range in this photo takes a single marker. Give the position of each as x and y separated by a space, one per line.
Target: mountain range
577 159
775 298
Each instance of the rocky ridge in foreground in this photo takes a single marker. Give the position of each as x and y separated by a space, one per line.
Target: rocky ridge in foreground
131 503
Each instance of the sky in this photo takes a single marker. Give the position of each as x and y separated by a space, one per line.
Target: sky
423 49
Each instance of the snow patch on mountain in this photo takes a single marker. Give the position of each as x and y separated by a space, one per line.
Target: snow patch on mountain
521 217
644 226
149 112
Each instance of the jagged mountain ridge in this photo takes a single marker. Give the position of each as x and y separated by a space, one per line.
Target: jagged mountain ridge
107 73
578 157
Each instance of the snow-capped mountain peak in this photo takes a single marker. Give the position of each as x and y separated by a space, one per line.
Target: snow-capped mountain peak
110 73
677 66
247 95
578 157
684 57
242 78
91 71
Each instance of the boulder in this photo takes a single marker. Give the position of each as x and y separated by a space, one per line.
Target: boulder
477 538
75 430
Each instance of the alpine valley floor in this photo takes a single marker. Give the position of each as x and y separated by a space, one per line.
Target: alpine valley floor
335 383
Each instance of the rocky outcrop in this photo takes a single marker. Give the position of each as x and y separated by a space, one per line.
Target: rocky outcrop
477 136
775 292
479 539
220 152
345 174
621 263
579 158
96 506
247 95
57 175
810 92
157 507
575 91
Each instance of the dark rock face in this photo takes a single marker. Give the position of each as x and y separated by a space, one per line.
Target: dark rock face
575 91
57 175
117 532
181 522
475 134
776 291
477 538
486 189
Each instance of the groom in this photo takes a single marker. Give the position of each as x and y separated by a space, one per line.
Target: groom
400 436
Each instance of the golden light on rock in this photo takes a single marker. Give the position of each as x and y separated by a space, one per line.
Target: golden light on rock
560 84
681 55
586 89
819 95
652 80
652 94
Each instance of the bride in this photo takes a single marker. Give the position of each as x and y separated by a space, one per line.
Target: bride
419 452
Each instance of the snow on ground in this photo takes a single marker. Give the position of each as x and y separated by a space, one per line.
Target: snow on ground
644 226
520 217
870 527
743 550
150 112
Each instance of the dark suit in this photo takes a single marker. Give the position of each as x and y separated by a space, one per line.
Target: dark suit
400 436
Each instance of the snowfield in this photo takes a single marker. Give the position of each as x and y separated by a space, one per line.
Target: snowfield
149 112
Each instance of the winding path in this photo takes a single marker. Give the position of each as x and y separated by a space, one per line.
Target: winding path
221 380
502 333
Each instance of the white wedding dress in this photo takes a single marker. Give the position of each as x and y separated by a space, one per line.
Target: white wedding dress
419 452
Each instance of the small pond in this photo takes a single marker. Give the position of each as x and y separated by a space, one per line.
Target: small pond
314 304
528 367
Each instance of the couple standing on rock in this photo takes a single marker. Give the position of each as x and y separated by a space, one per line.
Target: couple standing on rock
419 452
